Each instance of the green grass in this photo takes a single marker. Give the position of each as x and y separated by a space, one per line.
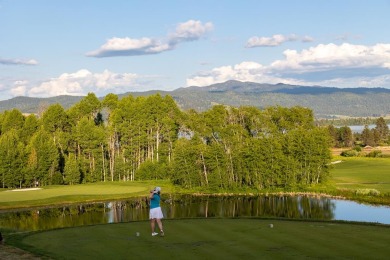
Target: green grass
214 239
362 173
54 195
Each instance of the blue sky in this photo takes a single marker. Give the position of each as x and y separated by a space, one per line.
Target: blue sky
52 47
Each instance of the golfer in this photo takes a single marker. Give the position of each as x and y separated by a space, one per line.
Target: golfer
155 213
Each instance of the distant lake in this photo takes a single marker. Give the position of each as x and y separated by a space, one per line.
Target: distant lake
359 128
288 207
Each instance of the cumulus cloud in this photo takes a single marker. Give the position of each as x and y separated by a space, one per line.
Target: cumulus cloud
331 56
275 40
18 62
83 81
188 31
18 91
245 71
344 65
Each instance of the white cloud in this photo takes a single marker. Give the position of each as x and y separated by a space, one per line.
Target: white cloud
84 81
188 31
245 71
344 65
18 62
307 38
326 57
18 91
20 82
272 41
129 47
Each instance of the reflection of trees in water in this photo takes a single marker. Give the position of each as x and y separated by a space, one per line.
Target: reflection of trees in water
173 207
73 215
269 206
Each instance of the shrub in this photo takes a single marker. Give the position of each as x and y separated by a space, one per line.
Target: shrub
370 192
151 171
349 153
375 153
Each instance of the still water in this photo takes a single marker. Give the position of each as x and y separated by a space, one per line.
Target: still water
359 128
174 207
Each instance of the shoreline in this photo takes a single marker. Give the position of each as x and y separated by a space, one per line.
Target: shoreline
199 194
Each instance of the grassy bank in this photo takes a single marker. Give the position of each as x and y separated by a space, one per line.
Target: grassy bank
214 239
57 195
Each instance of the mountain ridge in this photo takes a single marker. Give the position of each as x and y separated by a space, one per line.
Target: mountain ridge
324 101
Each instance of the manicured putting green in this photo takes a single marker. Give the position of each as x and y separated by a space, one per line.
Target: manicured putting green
215 239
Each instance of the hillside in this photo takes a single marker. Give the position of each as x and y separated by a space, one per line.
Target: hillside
324 101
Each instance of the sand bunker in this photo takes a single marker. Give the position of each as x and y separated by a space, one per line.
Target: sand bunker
27 189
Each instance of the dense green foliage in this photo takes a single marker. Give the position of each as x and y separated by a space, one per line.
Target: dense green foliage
150 138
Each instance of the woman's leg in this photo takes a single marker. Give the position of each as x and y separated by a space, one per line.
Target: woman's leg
160 225
152 224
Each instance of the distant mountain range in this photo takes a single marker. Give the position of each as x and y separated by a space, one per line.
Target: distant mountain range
324 101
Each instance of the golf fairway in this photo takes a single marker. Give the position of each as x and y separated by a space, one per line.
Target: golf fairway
215 239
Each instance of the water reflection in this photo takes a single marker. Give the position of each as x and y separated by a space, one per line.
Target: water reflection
300 207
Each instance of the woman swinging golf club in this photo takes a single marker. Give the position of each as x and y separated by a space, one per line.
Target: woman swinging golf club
155 213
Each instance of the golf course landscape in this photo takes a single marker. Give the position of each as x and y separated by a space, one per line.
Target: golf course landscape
205 238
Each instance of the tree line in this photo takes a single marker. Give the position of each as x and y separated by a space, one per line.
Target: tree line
377 136
152 138
339 122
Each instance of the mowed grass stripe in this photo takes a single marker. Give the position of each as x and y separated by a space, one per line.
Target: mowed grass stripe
215 239
201 238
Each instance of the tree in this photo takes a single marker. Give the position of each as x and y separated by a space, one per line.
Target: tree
30 127
11 160
55 119
72 173
88 107
333 132
90 138
383 130
345 136
43 159
367 137
310 150
13 119
110 101
184 172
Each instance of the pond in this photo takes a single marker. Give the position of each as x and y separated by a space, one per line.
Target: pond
175 207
